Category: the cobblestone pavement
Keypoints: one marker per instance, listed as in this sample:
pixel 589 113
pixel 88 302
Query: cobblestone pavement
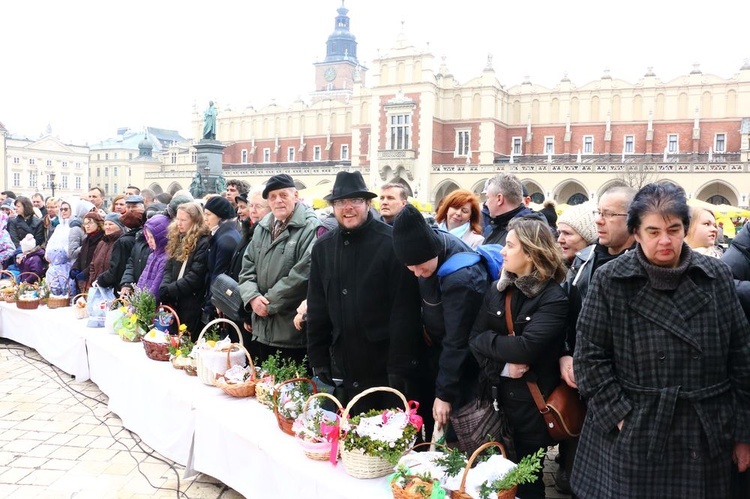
pixel 59 440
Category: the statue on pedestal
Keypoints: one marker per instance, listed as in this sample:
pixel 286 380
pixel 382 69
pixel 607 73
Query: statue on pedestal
pixel 220 185
pixel 196 186
pixel 209 122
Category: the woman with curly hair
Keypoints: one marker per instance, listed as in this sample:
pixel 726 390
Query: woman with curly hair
pixel 460 215
pixel 184 283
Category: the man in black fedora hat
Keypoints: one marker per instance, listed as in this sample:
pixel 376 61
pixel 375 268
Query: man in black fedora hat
pixel 363 308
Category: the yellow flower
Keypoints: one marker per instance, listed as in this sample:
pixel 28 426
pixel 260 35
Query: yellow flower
pixel 152 333
pixel 211 343
pixel 183 327
pixel 123 309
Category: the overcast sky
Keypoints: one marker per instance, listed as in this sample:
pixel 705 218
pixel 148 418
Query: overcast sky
pixel 89 67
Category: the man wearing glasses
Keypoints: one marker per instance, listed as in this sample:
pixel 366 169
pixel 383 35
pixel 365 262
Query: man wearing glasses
pixel 363 308
pixel 610 218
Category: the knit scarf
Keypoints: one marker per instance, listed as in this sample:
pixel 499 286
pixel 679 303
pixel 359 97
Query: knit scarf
pixel 458 231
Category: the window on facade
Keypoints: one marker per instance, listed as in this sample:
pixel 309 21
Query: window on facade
pixel 78 165
pixel 106 188
pixel 244 156
pixel 16 160
pixel 194 157
pixel 629 145
pixel 400 131
pixel 64 164
pixel 173 158
pixel 720 143
pixel 344 151
pixel 98 157
pixel 49 179
pixel 115 156
pixel 64 181
pixel 116 189
pixel 106 156
pixel 130 155
pixel 16 180
pixel 114 172
pixel 98 172
pixel 588 144
pixel 49 162
pixel 316 153
pixel 549 145
pixel 78 182
pixel 672 143
pixel 32 179
pixel 266 155
pixel 290 154
pixel 517 146
pixel 32 161
pixel 462 143
pixel 106 171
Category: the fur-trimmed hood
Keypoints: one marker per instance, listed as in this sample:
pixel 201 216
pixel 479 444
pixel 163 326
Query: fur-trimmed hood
pixel 530 285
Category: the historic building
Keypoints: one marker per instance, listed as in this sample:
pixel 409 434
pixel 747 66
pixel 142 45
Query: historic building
pixel 45 165
pixel 413 122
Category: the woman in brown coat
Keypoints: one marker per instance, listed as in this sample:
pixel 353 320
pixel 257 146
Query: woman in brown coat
pixel 103 252
pixel 92 227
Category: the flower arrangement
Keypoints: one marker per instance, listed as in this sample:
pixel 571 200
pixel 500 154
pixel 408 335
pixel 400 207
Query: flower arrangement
pixel 386 434
pixel 292 398
pixel 143 305
pixel 181 349
pixel 276 369
pixel 28 291
pixel 524 472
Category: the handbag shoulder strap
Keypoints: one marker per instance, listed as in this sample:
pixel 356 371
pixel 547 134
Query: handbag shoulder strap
pixel 536 393
pixel 182 270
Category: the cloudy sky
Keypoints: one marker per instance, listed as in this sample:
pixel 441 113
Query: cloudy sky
pixel 89 67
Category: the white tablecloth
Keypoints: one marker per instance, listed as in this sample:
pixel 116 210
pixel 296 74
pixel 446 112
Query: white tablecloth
pixel 56 334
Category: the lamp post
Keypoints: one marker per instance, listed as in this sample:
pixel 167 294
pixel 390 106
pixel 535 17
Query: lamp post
pixel 52 183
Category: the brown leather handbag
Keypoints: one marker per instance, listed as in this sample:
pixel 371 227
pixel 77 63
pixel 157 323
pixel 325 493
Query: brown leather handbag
pixel 563 411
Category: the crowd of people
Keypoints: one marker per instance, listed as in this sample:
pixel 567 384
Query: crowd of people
pixel 628 300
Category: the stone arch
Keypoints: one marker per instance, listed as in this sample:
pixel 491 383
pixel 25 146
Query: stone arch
pixel 443 189
pixel 478 187
pixel 398 179
pixel 608 185
pixel 570 191
pixel 718 188
pixel 299 185
pixel 457 105
pixel 173 187
pixel 324 181
pixel 535 190
pixel 156 188
pixel 476 105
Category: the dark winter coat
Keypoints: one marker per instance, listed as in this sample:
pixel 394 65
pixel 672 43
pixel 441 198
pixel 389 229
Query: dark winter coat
pixel 737 256
pixel 86 255
pixel 363 306
pixel 497 230
pixel 33 263
pixel 449 309
pixel 279 270
pixel 137 259
pixel 121 251
pixel 674 366
pixel 221 247
pixel 18 227
pixel 100 262
pixel 540 311
pixel 186 295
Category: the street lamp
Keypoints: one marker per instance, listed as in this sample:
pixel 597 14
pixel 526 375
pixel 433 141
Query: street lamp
pixel 52 183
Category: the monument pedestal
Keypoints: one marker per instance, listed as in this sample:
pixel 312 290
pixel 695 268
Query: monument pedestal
pixel 209 155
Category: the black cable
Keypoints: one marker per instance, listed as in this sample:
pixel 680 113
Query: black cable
pixel 64 384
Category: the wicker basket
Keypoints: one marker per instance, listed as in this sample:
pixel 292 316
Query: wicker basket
pixel 285 424
pixel 206 373
pixel 357 463
pixel 461 492
pixel 80 312
pixel 8 292
pixel 399 492
pixel 160 351
pixel 58 301
pixel 28 304
pixel 264 392
pixel 34 303
pixel 318 451
pixel 245 389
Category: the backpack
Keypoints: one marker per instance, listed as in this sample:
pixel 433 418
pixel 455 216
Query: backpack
pixel 489 254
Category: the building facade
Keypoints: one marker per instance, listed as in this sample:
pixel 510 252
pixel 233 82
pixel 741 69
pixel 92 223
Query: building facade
pixel 414 123
pixel 45 165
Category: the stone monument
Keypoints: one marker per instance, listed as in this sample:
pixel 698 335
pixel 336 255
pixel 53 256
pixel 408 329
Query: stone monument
pixel 209 151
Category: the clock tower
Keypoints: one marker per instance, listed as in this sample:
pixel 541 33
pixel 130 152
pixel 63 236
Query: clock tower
pixel 336 75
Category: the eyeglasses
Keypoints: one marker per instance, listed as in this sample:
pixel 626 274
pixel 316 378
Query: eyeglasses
pixel 258 206
pixel 64 209
pixel 88 221
pixel 338 203
pixel 608 215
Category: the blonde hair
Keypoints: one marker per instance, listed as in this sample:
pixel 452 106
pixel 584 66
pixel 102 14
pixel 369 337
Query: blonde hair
pixel 695 212
pixel 538 242
pixel 180 246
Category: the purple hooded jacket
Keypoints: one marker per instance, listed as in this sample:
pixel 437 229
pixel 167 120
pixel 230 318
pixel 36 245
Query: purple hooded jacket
pixel 153 272
pixel 7 248
pixel 33 263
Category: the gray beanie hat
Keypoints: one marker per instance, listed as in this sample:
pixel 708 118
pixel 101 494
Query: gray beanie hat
pixel 580 218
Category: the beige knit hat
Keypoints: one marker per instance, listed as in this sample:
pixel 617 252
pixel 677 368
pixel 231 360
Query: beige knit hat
pixel 581 219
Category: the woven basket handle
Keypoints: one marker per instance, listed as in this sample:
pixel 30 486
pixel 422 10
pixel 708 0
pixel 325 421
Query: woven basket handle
pixel 474 456
pixel 75 298
pixel 30 273
pixel 277 388
pixel 11 275
pixel 174 314
pixel 324 395
pixel 247 354
pixel 374 389
pixel 217 321
pixel 117 300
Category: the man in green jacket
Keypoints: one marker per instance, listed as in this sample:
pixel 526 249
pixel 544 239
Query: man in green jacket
pixel 276 268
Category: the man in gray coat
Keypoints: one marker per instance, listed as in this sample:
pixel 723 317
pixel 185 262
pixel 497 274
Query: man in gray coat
pixel 276 268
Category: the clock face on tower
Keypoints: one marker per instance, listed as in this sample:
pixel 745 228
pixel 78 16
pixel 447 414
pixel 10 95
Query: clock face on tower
pixel 330 74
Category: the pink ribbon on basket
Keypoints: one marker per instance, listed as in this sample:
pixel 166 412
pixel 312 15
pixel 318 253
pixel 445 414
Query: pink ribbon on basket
pixel 415 418
pixel 332 434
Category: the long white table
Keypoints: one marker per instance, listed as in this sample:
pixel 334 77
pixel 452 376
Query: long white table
pixel 235 440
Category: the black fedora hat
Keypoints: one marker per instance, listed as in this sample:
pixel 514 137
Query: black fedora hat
pixel 349 185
